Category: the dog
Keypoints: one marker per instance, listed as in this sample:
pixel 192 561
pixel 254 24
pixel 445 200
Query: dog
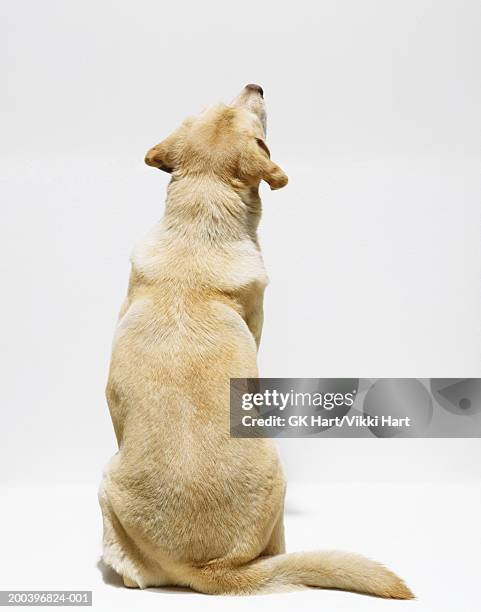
pixel 182 502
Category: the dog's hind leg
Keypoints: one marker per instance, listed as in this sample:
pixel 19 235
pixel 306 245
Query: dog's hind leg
pixel 130 584
pixel 276 544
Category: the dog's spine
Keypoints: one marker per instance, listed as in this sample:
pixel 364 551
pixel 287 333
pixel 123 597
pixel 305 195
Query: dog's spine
pixel 324 569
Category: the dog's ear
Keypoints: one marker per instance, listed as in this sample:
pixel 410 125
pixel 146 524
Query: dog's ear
pixel 162 156
pixel 261 167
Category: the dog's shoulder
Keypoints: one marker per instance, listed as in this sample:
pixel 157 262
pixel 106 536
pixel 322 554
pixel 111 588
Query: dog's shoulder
pixel 159 256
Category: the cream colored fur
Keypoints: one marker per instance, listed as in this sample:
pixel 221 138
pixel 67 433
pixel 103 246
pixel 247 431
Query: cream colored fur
pixel 182 502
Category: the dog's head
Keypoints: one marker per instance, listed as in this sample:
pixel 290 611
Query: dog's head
pixel 226 142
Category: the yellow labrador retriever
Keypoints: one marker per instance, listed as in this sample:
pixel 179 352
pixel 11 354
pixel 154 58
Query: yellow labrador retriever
pixel 182 502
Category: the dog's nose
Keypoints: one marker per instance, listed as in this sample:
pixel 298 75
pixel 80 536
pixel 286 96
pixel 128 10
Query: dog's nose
pixel 257 88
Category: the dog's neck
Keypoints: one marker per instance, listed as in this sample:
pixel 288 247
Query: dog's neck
pixel 206 209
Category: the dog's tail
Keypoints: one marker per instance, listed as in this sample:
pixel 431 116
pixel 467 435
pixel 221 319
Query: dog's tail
pixel 326 569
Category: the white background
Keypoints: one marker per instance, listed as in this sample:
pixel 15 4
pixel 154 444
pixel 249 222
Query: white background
pixel 373 249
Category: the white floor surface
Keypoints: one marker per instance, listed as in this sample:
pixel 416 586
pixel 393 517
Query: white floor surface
pixel 430 534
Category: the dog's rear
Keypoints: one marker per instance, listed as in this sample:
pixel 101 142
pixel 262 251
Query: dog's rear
pixel 182 503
